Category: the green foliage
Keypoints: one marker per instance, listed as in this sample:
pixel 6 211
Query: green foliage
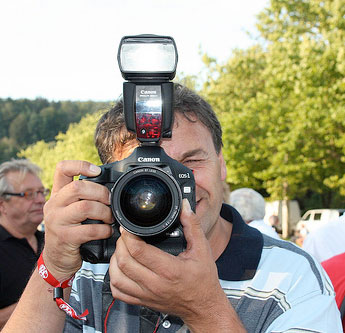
pixel 76 144
pixel 23 122
pixel 190 81
pixel 282 104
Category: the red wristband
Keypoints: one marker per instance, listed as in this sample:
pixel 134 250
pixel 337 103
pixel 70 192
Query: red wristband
pixel 58 292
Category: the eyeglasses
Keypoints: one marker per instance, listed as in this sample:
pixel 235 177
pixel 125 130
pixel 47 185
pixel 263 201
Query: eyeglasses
pixel 29 195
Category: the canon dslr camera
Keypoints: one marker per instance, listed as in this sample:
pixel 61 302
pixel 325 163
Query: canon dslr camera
pixel 148 187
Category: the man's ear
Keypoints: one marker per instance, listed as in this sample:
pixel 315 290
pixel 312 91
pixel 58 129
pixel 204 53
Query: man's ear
pixel 222 166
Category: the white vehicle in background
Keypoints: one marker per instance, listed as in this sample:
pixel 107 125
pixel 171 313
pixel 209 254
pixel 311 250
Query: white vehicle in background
pixel 314 218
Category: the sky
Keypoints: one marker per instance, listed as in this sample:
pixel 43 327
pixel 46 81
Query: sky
pixel 67 49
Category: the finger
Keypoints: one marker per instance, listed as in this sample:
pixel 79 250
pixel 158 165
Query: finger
pixel 147 282
pixel 79 211
pixel 192 230
pixel 118 294
pixel 81 234
pixel 120 283
pixel 151 257
pixel 129 264
pixel 82 190
pixel 66 170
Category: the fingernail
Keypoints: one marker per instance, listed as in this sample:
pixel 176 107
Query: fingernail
pixel 95 169
pixel 186 206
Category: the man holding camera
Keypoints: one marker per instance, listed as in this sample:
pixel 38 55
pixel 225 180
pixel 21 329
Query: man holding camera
pixel 230 278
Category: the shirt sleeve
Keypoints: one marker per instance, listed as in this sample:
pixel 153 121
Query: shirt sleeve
pixel 312 311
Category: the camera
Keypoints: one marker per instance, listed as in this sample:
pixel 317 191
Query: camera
pixel 147 188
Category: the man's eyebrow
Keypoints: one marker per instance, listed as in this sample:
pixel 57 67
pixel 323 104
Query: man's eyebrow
pixel 192 153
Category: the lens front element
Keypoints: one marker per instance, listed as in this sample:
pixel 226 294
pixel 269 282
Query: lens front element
pixel 146 201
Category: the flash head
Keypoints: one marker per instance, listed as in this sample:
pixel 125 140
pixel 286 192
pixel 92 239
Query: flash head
pixel 143 57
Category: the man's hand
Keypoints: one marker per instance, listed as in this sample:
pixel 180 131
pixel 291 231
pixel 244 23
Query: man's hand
pixel 72 202
pixel 186 285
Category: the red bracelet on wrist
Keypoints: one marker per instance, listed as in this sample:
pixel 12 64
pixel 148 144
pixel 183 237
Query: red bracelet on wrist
pixel 58 290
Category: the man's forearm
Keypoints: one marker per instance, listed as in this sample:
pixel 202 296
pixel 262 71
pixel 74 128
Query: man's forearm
pixel 36 310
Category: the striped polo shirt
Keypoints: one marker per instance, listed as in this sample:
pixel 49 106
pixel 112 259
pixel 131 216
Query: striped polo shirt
pixel 273 285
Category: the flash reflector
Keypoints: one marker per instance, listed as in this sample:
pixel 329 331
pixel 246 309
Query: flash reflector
pixel 147 56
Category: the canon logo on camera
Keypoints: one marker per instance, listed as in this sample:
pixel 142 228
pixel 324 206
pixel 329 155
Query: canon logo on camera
pixel 149 159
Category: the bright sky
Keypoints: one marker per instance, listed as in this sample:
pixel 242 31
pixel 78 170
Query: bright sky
pixel 66 49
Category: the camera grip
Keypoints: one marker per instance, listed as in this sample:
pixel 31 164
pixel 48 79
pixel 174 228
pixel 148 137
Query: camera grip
pixel 101 250
pixel 92 251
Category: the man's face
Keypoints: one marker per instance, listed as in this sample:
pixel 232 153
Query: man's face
pixel 20 211
pixel 191 144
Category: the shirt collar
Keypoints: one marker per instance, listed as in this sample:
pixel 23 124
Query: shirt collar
pixel 4 234
pixel 241 257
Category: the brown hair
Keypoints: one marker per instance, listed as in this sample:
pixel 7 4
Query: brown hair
pixel 112 136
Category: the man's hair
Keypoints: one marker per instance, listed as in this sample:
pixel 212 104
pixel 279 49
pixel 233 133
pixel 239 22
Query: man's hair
pixel 21 166
pixel 249 203
pixel 112 136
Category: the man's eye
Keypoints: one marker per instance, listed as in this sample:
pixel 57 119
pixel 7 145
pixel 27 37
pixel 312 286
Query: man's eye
pixel 29 194
pixel 191 161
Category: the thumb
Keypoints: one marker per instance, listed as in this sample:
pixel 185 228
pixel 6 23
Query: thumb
pixel 191 226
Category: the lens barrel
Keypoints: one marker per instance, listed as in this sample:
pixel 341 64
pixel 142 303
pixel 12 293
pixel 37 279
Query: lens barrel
pixel 146 201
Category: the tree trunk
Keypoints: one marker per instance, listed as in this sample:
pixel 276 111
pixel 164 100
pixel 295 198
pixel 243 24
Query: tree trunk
pixel 285 213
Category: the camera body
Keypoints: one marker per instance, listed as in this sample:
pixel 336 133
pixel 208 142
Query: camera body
pixel 147 189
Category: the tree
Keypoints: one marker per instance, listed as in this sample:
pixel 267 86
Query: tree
pixel 7 114
pixel 18 129
pixel 24 121
pixel 282 103
pixel 77 144
pixel 8 148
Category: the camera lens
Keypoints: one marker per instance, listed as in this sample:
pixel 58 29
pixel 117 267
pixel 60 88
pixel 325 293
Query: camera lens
pixel 146 201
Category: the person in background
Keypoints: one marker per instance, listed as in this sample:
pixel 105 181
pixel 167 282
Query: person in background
pixel 326 241
pixel 327 245
pixel 273 221
pixel 22 197
pixel 335 268
pixel 229 278
pixel 251 206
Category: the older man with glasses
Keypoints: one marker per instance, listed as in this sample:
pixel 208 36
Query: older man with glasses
pixel 22 197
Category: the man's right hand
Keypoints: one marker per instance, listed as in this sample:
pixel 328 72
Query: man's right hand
pixel 72 202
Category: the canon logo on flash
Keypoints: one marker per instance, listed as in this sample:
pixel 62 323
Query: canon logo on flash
pixel 148 92
pixel 149 159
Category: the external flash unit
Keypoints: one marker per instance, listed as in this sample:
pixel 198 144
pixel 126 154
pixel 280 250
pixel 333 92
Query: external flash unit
pixel 148 63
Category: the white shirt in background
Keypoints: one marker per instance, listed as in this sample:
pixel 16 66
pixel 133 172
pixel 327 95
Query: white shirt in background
pixel 264 228
pixel 327 241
